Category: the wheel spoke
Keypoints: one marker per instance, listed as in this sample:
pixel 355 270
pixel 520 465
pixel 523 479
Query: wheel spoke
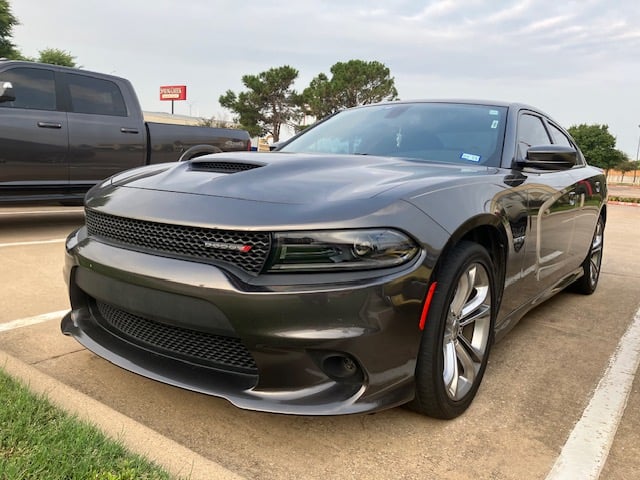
pixel 594 267
pixel 474 354
pixel 450 373
pixel 469 367
pixel 482 292
pixel 481 313
pixel 596 244
pixel 465 284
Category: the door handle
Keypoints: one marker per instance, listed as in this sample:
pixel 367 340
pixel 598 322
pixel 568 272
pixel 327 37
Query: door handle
pixel 49 125
pixel 129 130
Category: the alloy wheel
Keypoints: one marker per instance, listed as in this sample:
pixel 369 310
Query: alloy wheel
pixel 595 254
pixel 467 331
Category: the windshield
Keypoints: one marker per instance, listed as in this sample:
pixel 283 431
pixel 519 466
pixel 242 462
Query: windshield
pixel 442 132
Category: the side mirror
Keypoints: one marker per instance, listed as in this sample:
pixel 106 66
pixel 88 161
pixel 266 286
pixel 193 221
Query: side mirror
pixel 550 157
pixel 6 92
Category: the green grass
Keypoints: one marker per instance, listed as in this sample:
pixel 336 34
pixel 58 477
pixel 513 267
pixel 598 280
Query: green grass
pixel 40 441
pixel 615 198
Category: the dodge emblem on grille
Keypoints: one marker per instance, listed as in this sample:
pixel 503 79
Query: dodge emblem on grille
pixel 228 246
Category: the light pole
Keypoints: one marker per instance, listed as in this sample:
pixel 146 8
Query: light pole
pixel 637 155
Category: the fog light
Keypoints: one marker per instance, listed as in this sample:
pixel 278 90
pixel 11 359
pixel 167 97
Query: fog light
pixel 342 367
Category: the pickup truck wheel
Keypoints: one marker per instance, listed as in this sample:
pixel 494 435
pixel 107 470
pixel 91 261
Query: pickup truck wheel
pixel 198 151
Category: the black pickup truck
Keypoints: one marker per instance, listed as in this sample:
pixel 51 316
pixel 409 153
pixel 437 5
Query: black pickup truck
pixel 62 130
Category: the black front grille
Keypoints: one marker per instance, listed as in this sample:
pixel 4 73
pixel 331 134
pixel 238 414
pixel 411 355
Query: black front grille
pixel 201 348
pixel 203 244
pixel 223 167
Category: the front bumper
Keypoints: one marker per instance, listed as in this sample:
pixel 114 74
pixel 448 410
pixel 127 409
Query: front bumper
pixel 297 346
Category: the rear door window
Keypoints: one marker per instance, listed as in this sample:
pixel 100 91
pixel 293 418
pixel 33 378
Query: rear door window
pixel 95 96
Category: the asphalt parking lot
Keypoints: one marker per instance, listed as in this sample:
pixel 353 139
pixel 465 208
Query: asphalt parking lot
pixel 540 381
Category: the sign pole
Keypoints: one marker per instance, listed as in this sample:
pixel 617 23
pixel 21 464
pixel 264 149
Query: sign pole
pixel 171 107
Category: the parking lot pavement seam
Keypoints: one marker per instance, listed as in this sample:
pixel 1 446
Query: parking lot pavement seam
pixel 35 242
pixel 182 462
pixel 26 322
pixel 585 452
pixel 16 213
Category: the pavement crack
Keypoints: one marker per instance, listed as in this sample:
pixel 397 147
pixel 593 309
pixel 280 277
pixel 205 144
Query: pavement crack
pixel 55 357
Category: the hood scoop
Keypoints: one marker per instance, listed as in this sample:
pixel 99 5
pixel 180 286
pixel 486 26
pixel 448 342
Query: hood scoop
pixel 223 166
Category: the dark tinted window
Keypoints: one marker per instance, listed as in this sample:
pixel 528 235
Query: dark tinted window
pixel 442 132
pixel 33 88
pixel 94 95
pixel 559 138
pixel 531 132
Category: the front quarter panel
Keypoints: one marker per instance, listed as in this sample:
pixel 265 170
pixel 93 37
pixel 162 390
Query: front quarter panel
pixel 456 205
pixel 497 204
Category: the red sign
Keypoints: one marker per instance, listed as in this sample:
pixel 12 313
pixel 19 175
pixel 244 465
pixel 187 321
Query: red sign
pixel 173 92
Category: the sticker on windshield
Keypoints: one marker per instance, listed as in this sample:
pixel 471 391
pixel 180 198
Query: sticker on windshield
pixel 494 124
pixel 470 157
pixel 493 112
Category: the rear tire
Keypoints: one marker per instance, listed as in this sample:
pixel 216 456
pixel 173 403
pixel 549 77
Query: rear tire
pixel 588 283
pixel 458 333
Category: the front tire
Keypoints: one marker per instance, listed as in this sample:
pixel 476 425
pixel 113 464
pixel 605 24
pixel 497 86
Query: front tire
pixel 458 333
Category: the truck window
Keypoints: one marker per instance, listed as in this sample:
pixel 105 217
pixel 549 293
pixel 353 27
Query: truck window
pixel 96 96
pixel 34 88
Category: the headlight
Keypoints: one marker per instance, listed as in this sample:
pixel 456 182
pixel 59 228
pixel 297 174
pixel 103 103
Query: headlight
pixel 341 250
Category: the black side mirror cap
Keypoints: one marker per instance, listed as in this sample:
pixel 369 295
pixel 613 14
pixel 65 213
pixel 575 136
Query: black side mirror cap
pixel 549 157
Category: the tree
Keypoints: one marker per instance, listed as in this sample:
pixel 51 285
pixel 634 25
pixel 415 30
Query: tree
pixel 317 99
pixel 597 145
pixel 7 22
pixel 8 50
pixel 268 103
pixel 627 166
pixel 352 83
pixel 216 123
pixel 55 56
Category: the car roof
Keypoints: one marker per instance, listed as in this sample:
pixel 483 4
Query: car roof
pixel 50 66
pixel 466 101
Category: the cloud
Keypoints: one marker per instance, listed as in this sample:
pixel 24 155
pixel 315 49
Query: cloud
pixel 572 51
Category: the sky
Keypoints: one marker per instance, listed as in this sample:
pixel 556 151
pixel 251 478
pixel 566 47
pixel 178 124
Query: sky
pixel 579 61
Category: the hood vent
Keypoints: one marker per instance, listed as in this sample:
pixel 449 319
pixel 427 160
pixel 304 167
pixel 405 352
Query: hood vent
pixel 223 167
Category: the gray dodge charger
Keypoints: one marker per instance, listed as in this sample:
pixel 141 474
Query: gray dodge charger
pixel 368 262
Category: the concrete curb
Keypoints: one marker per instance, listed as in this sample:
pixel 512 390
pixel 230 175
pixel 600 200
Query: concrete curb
pixel 178 460
pixel 627 204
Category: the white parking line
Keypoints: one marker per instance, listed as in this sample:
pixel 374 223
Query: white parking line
pixel 25 322
pixel 41 212
pixel 35 242
pixel 586 450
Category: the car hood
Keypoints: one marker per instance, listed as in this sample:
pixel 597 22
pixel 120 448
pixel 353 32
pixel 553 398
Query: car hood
pixel 289 178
